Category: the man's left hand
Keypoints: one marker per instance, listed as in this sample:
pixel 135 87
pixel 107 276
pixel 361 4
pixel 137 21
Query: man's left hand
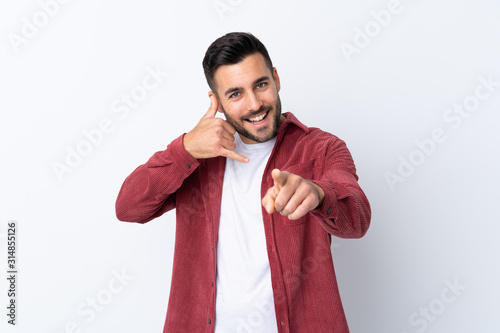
pixel 292 195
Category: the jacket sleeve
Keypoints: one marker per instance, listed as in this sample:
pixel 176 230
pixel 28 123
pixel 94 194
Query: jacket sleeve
pixel 149 191
pixel 345 211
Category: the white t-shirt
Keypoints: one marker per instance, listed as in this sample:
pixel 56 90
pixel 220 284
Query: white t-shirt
pixel 244 300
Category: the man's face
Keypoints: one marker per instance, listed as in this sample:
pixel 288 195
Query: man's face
pixel 248 97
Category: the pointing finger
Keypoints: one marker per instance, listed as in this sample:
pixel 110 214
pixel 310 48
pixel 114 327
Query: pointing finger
pixel 279 177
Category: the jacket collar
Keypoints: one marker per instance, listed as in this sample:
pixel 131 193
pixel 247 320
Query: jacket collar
pixel 291 119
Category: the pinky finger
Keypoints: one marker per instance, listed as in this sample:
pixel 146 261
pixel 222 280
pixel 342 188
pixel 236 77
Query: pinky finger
pixel 302 209
pixel 235 156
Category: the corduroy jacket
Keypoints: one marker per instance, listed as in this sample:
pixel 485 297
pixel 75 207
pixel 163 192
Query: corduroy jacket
pixel 306 295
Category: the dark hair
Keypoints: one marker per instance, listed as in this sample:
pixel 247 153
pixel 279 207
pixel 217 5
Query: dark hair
pixel 231 49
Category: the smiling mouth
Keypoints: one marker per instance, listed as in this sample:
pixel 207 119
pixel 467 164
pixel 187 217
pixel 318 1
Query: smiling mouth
pixel 258 118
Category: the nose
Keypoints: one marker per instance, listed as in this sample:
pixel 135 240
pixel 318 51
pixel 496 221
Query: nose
pixel 253 102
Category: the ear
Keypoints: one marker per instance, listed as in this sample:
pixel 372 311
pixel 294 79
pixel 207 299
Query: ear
pixel 210 94
pixel 276 79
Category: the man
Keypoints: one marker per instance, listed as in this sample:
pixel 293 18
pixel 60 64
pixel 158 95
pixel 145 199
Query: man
pixel 258 196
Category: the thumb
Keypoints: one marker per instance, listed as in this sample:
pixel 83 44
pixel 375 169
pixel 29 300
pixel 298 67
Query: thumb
pixel 279 177
pixel 214 105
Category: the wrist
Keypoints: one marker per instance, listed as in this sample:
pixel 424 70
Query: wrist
pixel 185 143
pixel 321 195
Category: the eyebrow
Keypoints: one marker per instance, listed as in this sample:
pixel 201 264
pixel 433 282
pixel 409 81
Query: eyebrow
pixel 260 79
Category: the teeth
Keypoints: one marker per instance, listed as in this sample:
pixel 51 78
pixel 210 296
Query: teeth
pixel 258 118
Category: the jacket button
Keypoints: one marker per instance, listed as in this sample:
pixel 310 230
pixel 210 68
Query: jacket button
pixel 329 211
pixel 209 321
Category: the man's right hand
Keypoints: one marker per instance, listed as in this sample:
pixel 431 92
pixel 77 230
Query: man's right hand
pixel 212 136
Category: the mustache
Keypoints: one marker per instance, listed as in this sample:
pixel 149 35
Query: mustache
pixel 260 110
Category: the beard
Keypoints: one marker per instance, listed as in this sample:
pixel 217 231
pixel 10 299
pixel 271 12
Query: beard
pixel 262 134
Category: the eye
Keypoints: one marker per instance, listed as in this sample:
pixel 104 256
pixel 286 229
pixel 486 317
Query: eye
pixel 234 95
pixel 262 85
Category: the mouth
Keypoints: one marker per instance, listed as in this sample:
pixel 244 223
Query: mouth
pixel 258 119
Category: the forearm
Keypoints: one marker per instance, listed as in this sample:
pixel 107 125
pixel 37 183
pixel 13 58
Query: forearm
pixel 149 191
pixel 345 211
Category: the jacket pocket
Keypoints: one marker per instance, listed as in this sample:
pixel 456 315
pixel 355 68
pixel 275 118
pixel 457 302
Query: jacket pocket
pixel 302 220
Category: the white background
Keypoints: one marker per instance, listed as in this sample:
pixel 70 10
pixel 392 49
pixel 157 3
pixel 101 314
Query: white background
pixel 438 227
